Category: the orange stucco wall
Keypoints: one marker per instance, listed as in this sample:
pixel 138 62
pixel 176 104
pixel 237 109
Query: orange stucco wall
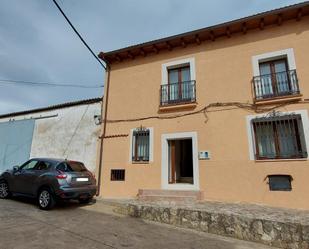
pixel 223 74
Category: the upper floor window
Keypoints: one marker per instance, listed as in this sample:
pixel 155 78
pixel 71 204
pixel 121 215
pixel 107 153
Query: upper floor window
pixel 177 75
pixel 178 84
pixel 275 75
pixel 279 137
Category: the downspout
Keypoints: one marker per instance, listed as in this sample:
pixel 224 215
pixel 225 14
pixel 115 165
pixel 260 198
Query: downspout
pixel 104 122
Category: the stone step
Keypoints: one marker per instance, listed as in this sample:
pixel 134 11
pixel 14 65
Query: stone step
pixel 167 199
pixel 169 195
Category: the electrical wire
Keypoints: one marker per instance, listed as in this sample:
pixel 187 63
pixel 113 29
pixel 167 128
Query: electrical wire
pixel 213 107
pixel 223 105
pixel 49 84
pixel 77 33
pixel 9 81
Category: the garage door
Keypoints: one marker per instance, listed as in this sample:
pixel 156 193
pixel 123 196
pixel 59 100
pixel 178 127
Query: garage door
pixel 15 142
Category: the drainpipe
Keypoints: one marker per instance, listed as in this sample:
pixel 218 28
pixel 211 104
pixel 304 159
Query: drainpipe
pixel 101 56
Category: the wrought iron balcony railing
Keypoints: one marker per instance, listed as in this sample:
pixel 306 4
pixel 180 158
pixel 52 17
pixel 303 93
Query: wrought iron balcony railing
pixel 275 85
pixel 178 93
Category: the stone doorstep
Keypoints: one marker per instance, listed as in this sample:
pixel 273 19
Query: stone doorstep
pixel 167 200
pixel 169 196
pixel 159 192
pixel 284 228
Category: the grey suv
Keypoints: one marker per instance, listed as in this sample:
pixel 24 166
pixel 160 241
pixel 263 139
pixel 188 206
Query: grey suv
pixel 49 180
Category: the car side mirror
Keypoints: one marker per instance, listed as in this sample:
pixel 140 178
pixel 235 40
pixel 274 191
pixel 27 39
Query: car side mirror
pixel 15 168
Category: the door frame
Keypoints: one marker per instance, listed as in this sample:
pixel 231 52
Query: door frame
pixel 165 161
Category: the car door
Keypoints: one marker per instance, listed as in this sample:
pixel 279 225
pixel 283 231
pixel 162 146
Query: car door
pixel 24 176
pixel 36 176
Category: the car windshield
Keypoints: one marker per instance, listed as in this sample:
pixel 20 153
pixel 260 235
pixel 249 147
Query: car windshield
pixel 71 166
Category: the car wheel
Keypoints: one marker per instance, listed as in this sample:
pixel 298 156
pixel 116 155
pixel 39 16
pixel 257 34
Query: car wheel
pixel 4 190
pixel 46 199
pixel 85 201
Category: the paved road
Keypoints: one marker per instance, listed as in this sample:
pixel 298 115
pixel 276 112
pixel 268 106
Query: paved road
pixel 24 226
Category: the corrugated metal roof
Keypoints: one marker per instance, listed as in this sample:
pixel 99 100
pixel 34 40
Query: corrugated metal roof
pixel 52 107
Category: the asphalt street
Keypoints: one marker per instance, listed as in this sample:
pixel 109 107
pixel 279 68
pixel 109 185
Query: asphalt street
pixel 69 225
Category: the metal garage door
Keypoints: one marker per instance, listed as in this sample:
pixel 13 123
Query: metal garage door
pixel 15 142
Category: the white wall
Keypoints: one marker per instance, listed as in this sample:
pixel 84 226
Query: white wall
pixel 72 134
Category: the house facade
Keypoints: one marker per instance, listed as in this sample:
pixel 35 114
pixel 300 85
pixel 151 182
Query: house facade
pixel 222 111
pixel 66 130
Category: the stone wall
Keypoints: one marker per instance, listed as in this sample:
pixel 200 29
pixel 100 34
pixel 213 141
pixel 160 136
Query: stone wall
pixel 269 232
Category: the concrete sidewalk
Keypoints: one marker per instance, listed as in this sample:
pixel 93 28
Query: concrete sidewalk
pixel 285 228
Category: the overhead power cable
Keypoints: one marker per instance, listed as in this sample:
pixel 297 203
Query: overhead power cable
pixel 80 37
pixel 48 84
pixel 212 107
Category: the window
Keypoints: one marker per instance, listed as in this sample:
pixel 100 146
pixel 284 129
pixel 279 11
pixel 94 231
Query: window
pixel 179 87
pixel 177 75
pixel 280 182
pixel 118 174
pixel 279 137
pixel 71 166
pixel 30 165
pixel 275 75
pixel 42 166
pixel 141 145
pixel 178 82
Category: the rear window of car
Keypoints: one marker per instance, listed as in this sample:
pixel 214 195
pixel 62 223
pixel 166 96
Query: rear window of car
pixel 71 167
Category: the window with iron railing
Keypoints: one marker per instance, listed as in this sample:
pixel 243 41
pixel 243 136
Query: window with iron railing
pixel 141 142
pixel 279 137
pixel 180 88
pixel 275 80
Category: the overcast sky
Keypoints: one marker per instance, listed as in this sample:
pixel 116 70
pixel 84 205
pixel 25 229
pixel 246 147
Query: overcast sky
pixel 36 44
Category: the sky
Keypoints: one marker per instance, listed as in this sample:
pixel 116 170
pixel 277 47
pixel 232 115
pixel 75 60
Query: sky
pixel 37 44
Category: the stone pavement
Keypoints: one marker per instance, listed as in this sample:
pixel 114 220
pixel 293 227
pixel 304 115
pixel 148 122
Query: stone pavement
pixel 285 228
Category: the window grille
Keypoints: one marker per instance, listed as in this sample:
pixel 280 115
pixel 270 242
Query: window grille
pixel 140 146
pixel 118 174
pixel 279 137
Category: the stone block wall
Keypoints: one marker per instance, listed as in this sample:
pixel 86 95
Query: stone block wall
pixel 269 232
